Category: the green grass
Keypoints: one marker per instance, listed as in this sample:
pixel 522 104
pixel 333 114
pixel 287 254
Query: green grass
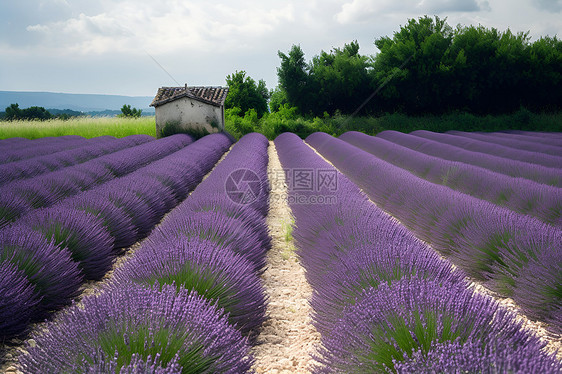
pixel 88 127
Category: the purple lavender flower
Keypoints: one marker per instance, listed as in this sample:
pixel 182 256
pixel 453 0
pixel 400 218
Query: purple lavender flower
pixel 182 327
pixel 216 273
pixel 370 266
pixel 143 216
pixel 18 300
pixel 13 206
pixel 52 272
pixel 138 365
pixel 496 356
pixel 220 229
pixel 82 234
pixel 391 322
pixel 115 220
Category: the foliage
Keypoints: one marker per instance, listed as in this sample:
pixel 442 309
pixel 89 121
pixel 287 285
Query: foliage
pixel 244 93
pixel 127 112
pixel 14 112
pixel 287 119
pixel 427 67
pixel 171 128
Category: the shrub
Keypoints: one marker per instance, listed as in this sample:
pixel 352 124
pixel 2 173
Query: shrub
pixel 181 327
pixel 217 274
pixel 83 235
pixel 52 272
pixel 18 300
pixel 390 323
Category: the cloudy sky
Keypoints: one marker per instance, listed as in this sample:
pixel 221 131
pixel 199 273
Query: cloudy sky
pixel 132 47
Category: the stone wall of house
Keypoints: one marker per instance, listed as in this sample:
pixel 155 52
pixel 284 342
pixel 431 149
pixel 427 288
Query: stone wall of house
pixel 189 114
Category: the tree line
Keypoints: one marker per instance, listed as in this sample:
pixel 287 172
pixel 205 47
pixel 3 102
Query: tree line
pixel 427 67
pixel 34 113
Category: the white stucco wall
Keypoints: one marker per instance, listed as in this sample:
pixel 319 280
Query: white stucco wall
pixel 190 114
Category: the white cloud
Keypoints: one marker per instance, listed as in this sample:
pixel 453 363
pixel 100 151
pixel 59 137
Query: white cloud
pixel 369 10
pixel 549 5
pixel 164 27
pixel 99 46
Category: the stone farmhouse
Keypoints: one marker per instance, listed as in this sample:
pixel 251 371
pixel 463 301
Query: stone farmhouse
pixel 189 109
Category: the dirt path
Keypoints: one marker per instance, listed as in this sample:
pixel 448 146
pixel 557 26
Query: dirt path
pixel 287 338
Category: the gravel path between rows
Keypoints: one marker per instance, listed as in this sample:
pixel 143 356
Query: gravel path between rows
pixel 287 338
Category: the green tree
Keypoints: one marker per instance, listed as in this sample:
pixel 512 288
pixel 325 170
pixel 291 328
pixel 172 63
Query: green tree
pixel 340 79
pixel 127 112
pixel 277 98
pixel 413 66
pixel 293 75
pixel 244 93
pixel 36 113
pixel 13 112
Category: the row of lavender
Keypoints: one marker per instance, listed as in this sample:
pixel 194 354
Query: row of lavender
pixel 384 301
pixel 49 253
pixel 34 166
pixel 517 194
pixel 517 255
pixel 552 138
pixel 22 197
pixel 190 298
pixel 526 143
pixel 511 167
pixel 14 150
pixel 524 151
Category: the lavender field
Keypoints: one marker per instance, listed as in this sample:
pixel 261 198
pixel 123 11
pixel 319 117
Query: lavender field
pixel 143 255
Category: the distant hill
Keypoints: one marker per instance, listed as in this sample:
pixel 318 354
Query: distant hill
pixel 79 102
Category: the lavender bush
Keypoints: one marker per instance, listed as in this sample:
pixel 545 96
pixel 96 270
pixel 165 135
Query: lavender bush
pixel 513 168
pixel 117 222
pixel 181 327
pixel 521 155
pixel 216 273
pixel 496 356
pixel 87 240
pixel 221 230
pixel 18 301
pixel 55 277
pixel 392 322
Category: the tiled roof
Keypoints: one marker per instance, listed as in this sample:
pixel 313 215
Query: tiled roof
pixel 210 95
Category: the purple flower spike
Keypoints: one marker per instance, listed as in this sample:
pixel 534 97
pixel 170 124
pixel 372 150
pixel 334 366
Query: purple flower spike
pixel 223 204
pixel 18 301
pixel 143 321
pixel 216 273
pixel 394 321
pixel 13 206
pixel 85 237
pixel 143 216
pixel 119 225
pixel 138 365
pixel 497 356
pixel 370 266
pixel 220 229
pixel 50 269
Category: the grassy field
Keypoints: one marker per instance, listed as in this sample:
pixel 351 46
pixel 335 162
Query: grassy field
pixel 273 124
pixel 88 127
